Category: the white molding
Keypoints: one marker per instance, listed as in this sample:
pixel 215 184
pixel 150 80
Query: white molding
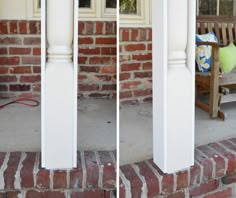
pixel 143 16
pixel 96 12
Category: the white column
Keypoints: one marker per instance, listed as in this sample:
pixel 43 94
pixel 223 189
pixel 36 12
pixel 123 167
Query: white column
pixel 58 113
pixel 173 84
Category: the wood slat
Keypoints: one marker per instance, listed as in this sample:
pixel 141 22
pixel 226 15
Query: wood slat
pixel 230 32
pixel 224 33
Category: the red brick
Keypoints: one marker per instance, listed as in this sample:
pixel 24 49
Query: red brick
pixel 43 179
pixel 109 28
pixel 34 194
pixel 134 35
pixel 82 60
pixel 108 51
pixel 135 182
pixel 9 60
pixel 81 27
pixel 149 34
pixel 233 140
pixel 59 179
pixel 182 180
pixel 10 41
pixel 89 51
pixel 138 93
pixel 124 76
pixel 99 27
pixel 204 188
pixel 20 70
pixel 89 69
pixel 129 102
pixel 76 175
pixel 125 94
pixel 147 66
pixel 103 77
pixel 54 194
pixel 142 57
pixel 13 194
pixel 225 193
pixel 85 40
pixel 177 195
pixel 9 173
pixel 106 41
pixel 135 47
pixel 23 27
pixel 88 87
pixel 37 87
pixel 3 70
pixel 92 169
pixel 31 60
pixel 3 50
pixel 219 161
pixel 2 157
pixel 8 79
pixel 36 69
pixel 109 87
pixel 109 70
pixel 89 27
pixel 36 51
pixel 99 95
pixel 27 177
pixel 81 77
pixel 3 87
pixel 124 35
pixel 19 87
pixel 150 178
pixel 142 34
pixel 109 171
pixel 19 50
pixel 149 47
pixel 3 27
pixel 230 156
pixel 130 84
pixel 33 27
pixel 100 60
pixel 88 194
pixel 30 79
pixel 229 145
pixel 13 27
pixel 130 67
pixel 32 41
pixel 148 99
pixel 142 74
pixel 206 163
pixel 195 175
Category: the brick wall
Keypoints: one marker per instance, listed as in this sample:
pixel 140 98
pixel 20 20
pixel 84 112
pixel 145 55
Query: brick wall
pixel 20 59
pixel 135 65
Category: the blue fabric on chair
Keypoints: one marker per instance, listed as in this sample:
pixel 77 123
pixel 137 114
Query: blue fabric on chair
pixel 203 52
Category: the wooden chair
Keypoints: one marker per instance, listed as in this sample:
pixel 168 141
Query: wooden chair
pixel 219 87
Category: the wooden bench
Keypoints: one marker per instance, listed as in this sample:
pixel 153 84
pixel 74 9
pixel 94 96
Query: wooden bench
pixel 220 87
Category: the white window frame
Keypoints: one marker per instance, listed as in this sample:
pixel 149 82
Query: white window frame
pixel 97 11
pixel 217 8
pixel 143 16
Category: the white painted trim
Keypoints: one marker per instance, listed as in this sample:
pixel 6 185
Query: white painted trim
pixel 33 11
pixel 43 68
pixel 143 16
pixel 75 61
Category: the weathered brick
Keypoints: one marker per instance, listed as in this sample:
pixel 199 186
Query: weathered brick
pixel 19 50
pixel 142 34
pixel 3 88
pixel 85 40
pixel 10 60
pixel 20 70
pixel 149 34
pixel 124 35
pixel 59 179
pixel 3 27
pixel 204 188
pixel 94 69
pixel 134 35
pixel 130 67
pixel 142 57
pixel 124 76
pixel 88 87
pixel 221 194
pixel 108 51
pixel 30 79
pixel 109 70
pixel 55 194
pixel 34 194
pixel 32 41
pixel 147 66
pixel 106 41
pixel 19 87
pixel 88 194
pixel 43 179
pixel 8 79
pixel 130 84
pixel 180 194
pixel 99 27
pixel 100 60
pixel 3 70
pixel 89 51
pixel 13 194
pixel 138 93
pixel 2 157
pixel 99 95
pixel 135 47
pixel 142 74
pixel 36 51
pixel 182 180
pixel 33 29
pixel 3 50
pixel 10 41
pixel 195 175
pixel 23 27
pixel 13 27
pixel 9 173
pixel 76 175
pixel 135 182
pixel 89 27
pixel 104 78
pixel 109 27
pixel 37 87
pixel 36 69
pixel 81 26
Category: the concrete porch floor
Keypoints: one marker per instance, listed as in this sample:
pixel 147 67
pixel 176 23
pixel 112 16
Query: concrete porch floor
pixel 20 126
pixel 136 130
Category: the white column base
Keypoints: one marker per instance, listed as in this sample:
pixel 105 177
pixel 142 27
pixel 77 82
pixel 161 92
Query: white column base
pixel 59 112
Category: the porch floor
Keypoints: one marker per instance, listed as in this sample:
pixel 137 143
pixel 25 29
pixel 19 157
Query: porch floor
pixel 136 130
pixel 20 126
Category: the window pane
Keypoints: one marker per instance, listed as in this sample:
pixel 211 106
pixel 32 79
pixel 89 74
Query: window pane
pixel 128 6
pixel 110 3
pixel 226 7
pixel 85 3
pixel 207 7
pixel 39 3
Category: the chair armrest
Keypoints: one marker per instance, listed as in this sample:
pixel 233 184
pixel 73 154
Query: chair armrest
pixel 208 43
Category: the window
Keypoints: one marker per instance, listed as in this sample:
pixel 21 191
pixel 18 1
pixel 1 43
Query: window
pixel 88 9
pixel 216 7
pixel 134 12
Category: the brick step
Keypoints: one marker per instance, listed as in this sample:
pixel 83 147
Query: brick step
pixel 21 174
pixel 212 176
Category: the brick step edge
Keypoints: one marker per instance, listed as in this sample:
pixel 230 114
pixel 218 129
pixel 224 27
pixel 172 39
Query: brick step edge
pixel 22 170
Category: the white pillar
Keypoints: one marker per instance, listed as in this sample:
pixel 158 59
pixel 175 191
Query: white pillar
pixel 173 84
pixel 59 123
